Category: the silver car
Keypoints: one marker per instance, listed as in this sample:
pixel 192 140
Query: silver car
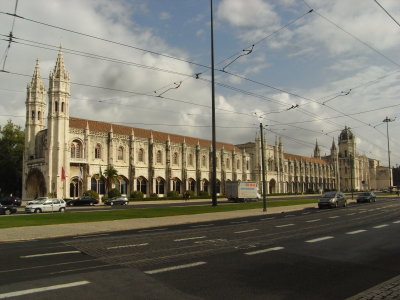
pixel 46 205
pixel 332 199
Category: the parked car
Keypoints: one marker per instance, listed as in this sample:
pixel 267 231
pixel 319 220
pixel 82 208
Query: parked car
pixel 37 200
pixel 85 200
pixel 11 200
pixel 332 199
pixel 117 201
pixel 366 197
pixel 46 205
pixel 7 209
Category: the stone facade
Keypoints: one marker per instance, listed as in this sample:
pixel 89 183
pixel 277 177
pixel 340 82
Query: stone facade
pixel 67 156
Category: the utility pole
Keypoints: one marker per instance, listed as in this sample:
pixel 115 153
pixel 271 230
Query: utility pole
pixel 387 120
pixel 214 147
pixel 351 176
pixel 263 168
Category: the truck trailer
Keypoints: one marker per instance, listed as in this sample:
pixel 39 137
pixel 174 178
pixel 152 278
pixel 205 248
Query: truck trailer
pixel 242 191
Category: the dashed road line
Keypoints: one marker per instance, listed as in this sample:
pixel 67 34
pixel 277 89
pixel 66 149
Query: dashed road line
pixel 238 222
pixel 334 217
pixel 315 220
pixel 202 225
pixel 396 222
pixel 264 250
pixel 50 254
pixel 381 226
pixel 150 230
pixel 248 230
pixel 91 235
pixel 351 214
pixel 190 238
pixel 270 218
pixel 285 225
pixel 127 246
pixel 320 239
pixel 43 289
pixel 356 231
pixel 306 213
pixel 173 268
pixel 287 216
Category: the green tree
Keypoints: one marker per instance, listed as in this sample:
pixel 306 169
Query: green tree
pixel 111 175
pixel 11 153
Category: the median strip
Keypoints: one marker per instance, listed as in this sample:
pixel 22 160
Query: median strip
pixel 43 289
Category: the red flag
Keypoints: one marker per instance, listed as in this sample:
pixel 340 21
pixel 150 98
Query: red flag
pixel 62 174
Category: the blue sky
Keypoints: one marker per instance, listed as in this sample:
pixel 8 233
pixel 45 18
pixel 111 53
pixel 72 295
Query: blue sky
pixel 333 65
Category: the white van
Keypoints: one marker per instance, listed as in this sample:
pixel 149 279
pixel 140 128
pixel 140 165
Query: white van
pixel 46 205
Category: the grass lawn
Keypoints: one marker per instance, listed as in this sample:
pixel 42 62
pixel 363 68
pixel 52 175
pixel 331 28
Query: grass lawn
pixel 132 213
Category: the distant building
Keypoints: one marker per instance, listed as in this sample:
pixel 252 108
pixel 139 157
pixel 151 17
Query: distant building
pixel 68 155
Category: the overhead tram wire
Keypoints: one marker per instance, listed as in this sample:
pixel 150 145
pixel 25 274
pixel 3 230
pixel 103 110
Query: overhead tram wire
pixel 387 13
pixel 103 39
pixel 10 38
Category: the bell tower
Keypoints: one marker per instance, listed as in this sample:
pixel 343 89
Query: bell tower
pixel 58 128
pixel 35 110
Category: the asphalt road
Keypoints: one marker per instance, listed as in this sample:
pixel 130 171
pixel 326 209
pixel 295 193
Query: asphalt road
pixel 309 254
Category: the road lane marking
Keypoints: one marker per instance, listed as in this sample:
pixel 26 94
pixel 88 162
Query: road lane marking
pixel 248 230
pixel 315 220
pixel 287 216
pixel 351 214
pixel 334 217
pixel 396 222
pixel 381 226
pixel 190 238
pixel 238 222
pixel 50 254
pixel 91 235
pixel 285 225
pixel 173 268
pixel 356 231
pixel 150 230
pixel 43 289
pixel 320 239
pixel 264 250
pixel 127 246
pixel 267 219
pixel 203 225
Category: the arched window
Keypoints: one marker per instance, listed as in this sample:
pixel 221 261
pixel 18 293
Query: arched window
pixel 175 158
pixel 120 153
pixel 123 186
pixel 97 151
pixel 62 106
pixel 238 164
pixel 217 162
pixel 39 115
pixel 142 185
pixel 141 155
pixel 56 106
pixel 203 161
pixel 192 184
pixel 228 163
pixel 33 115
pixel 159 157
pixel 76 149
pixel 190 159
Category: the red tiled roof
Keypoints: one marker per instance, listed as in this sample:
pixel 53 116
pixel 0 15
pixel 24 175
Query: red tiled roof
pixel 145 133
pixel 305 158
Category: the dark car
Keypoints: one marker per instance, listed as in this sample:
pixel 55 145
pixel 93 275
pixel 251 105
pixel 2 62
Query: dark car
pixel 85 200
pixel 366 197
pixel 7 209
pixel 332 199
pixel 11 200
pixel 117 201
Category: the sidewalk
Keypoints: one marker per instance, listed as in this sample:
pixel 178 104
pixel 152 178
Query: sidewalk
pixel 62 230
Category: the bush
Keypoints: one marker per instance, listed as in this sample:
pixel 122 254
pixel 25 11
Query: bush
pixel 91 193
pixel 113 193
pixel 204 194
pixel 137 195
pixel 52 195
pixel 173 194
pixel 154 195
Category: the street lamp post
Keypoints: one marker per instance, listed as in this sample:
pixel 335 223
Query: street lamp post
pixel 214 150
pixel 351 176
pixel 387 120
pixel 263 169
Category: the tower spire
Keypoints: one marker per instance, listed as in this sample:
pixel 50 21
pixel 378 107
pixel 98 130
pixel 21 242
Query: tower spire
pixel 317 152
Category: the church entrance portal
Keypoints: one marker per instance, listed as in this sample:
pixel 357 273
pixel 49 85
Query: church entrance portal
pixel 35 184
